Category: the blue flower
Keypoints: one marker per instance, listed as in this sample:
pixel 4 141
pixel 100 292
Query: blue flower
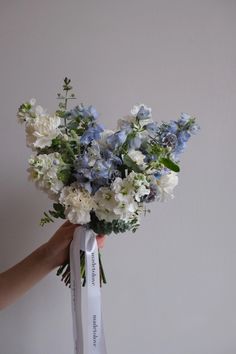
pixel 117 139
pixel 90 112
pixel 96 168
pixel 101 169
pixel 82 112
pixel 151 128
pixel 144 113
pixel 182 138
pixel 108 155
pixel 135 142
pixel 92 133
pixel 172 127
pixel 184 118
pixel 141 112
pixel 194 129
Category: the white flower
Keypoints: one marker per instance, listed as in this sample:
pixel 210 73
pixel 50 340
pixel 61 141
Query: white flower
pixel 122 200
pixel 40 111
pixel 140 185
pixel 126 206
pixel 128 192
pixel 44 171
pixel 138 157
pixel 105 204
pixel 41 130
pixel 28 111
pixel 78 204
pixel 166 185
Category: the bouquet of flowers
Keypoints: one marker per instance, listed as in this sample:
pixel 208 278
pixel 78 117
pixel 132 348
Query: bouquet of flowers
pixel 101 178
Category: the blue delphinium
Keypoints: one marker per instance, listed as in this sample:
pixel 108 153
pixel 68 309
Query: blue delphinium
pixel 117 139
pixel 80 111
pixel 96 167
pixel 176 134
pixel 151 128
pixel 92 132
pixel 141 112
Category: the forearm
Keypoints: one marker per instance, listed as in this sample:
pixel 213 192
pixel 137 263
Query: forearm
pixel 17 280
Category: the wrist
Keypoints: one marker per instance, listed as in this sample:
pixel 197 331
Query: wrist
pixel 47 256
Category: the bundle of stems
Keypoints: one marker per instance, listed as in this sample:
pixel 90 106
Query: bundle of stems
pixel 64 271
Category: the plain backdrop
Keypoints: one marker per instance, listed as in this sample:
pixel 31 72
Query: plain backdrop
pixel 171 286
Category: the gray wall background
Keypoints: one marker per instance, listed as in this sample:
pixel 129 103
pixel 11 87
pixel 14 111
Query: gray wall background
pixel 171 285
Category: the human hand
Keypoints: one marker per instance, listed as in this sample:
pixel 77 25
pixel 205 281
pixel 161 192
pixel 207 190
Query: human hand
pixel 59 244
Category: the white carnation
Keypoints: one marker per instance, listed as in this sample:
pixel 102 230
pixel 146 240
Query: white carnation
pixel 41 130
pixel 166 185
pixel 78 204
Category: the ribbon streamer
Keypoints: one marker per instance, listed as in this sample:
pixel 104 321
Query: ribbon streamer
pixel 88 332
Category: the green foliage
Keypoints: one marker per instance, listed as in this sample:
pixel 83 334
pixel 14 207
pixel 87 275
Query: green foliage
pixel 132 166
pixel 66 86
pixel 25 107
pixel 46 219
pixel 67 149
pixel 57 212
pixel 170 164
pixel 116 226
pixel 64 97
pixel 65 176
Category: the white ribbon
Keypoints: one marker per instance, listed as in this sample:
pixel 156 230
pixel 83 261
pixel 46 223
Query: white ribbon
pixel 88 340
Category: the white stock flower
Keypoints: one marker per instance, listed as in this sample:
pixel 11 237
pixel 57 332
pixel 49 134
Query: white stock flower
pixel 166 185
pixel 44 171
pixel 122 200
pixel 41 130
pixel 29 110
pixel 128 194
pixel 105 204
pixel 126 206
pixel 78 204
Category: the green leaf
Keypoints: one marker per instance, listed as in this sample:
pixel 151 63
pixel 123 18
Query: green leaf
pixel 64 176
pixel 131 164
pixel 170 164
pixel 58 207
pixel 54 214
